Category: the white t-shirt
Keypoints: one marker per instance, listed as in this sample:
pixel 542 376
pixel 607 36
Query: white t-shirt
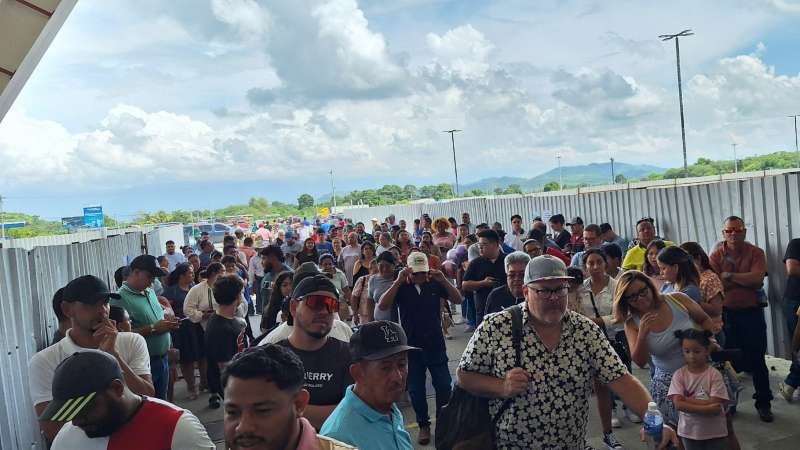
pixel 131 347
pixel 187 432
pixel 174 259
pixel 340 331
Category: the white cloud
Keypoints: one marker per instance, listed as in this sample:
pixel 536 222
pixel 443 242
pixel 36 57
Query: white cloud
pixel 464 50
pixel 250 20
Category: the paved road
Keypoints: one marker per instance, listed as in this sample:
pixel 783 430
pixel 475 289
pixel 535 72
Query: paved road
pixel 783 434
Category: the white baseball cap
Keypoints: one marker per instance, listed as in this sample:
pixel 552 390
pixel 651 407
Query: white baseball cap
pixel 418 262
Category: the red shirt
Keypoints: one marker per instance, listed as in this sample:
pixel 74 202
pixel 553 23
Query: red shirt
pixel 749 259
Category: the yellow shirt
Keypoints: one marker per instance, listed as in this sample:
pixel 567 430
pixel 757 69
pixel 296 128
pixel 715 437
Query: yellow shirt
pixel 634 259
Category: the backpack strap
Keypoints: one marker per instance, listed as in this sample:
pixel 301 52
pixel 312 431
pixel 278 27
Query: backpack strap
pixel 516 341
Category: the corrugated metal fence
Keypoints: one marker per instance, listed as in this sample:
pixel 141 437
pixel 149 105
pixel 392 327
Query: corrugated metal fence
pixel 28 280
pixel 688 210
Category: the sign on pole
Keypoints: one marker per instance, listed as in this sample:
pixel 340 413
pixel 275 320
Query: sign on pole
pixel 93 216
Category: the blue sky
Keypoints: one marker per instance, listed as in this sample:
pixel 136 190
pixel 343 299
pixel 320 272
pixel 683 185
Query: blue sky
pixel 162 105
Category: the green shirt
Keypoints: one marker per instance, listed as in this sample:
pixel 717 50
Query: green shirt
pixel 144 310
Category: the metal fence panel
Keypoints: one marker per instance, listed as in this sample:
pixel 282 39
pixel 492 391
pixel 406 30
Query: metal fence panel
pixel 684 210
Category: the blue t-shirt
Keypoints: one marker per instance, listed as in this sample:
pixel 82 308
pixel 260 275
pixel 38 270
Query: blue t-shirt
pixel 356 423
pixel 691 290
pixel 324 247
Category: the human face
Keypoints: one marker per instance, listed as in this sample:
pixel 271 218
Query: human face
pixel 734 232
pixel 427 238
pixel 558 227
pixel 515 273
pixel 327 265
pixel 646 232
pixel 188 276
pixel 441 227
pixel 286 287
pixel 547 308
pixel 463 231
pixel 669 272
pixel 533 249
pixel 368 252
pixel 230 267
pixel 309 244
pixel 359 228
pixel 695 355
pixel 337 246
pixel 576 229
pixel 595 265
pixel 386 270
pixel 488 248
pixel 260 416
pixel 139 280
pixel 425 248
pixel 383 382
pixel 516 224
pixel 402 224
pixel 195 263
pixel 396 254
pixel 591 240
pixel 652 256
pixel 84 316
pixel 164 263
pixel 266 263
pixel 105 415
pixel 639 297
pixel 315 323
pixel 171 248
pixel 465 218
pixel 124 325
pixel 352 239
pixel 383 240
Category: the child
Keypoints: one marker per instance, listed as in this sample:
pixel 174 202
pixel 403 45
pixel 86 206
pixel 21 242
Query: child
pixel 699 395
pixel 224 333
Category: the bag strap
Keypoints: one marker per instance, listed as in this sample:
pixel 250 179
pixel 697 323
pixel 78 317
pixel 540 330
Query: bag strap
pixel 516 341
pixel 677 302
pixel 596 311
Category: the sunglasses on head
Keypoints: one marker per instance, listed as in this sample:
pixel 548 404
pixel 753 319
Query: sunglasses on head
pixel 320 302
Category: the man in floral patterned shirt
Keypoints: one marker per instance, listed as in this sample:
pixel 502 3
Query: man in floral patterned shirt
pixel 562 354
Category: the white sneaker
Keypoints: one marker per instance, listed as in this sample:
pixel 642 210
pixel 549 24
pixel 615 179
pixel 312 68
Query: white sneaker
pixel 615 422
pixel 787 392
pixel 632 416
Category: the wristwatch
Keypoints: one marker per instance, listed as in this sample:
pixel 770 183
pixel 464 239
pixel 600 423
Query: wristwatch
pixel 152 328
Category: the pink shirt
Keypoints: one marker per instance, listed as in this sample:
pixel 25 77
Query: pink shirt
pixel 699 386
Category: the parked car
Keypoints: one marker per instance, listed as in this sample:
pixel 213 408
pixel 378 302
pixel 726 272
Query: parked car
pixel 216 231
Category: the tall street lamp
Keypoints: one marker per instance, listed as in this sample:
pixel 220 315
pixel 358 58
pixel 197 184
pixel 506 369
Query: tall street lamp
pixel 667 37
pixel 796 148
pixel 455 165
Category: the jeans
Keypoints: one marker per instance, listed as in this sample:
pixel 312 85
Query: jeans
pixel 746 329
pixel 436 363
pixel 468 310
pixel 159 370
pixel 790 306
pixel 259 306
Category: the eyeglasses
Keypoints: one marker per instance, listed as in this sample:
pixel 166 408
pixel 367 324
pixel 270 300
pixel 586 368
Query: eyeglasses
pixel 549 293
pixel 637 296
pixel 734 230
pixel 320 302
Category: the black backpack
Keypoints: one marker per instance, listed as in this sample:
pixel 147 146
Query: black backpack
pixel 464 422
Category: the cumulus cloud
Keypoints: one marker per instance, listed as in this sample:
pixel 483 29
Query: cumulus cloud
pixel 463 50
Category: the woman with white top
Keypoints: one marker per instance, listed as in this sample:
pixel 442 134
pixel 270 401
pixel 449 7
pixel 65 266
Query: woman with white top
pixel 199 304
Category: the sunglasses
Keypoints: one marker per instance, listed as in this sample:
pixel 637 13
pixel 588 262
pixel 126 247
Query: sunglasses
pixel 320 302
pixel 734 230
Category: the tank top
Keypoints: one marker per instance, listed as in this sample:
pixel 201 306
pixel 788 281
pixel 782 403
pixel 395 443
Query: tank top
pixel 665 348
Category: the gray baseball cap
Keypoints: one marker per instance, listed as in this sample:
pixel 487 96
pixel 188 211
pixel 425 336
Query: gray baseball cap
pixel 546 267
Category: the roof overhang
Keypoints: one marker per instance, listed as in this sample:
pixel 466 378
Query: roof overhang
pixel 27 28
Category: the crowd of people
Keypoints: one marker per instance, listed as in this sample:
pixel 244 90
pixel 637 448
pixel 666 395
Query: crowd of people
pixel 353 318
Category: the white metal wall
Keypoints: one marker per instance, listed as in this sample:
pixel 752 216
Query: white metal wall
pixel 80 236
pixel 157 239
pixel 28 280
pixel 685 210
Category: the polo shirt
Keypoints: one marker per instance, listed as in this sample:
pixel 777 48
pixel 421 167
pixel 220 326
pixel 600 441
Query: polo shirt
pixel 499 299
pixel 144 309
pixel 749 259
pixel 356 423
pixel 634 257
pixel 420 314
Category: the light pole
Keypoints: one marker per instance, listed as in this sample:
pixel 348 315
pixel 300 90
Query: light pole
pixel 613 178
pixel 2 221
pixel 735 161
pixel 333 193
pixel 560 177
pixel 796 148
pixel 455 165
pixel 666 37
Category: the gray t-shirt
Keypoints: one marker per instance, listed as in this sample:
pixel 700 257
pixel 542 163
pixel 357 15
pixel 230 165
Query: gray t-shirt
pixel 375 289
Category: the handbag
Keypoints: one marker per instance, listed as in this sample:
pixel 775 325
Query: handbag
pixel 619 342
pixel 464 423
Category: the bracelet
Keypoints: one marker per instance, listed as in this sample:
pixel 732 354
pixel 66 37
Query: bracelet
pixel 152 329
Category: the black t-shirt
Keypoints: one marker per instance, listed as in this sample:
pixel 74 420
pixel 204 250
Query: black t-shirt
pixel 499 299
pixel 420 314
pixel 792 282
pixel 224 338
pixel 481 268
pixel 327 371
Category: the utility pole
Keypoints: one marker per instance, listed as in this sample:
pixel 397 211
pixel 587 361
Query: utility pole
pixel 333 192
pixel 735 161
pixel 455 165
pixel 2 221
pixel 666 37
pixel 613 178
pixel 560 177
pixel 796 148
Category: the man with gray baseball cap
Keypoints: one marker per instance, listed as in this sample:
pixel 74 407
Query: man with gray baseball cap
pixel 563 353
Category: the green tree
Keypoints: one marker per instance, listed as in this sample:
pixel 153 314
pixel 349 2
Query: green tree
pixel 305 201
pixel 513 189
pixel 409 191
pixel 620 179
pixel 551 186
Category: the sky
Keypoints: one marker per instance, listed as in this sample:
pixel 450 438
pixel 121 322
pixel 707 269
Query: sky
pixel 149 105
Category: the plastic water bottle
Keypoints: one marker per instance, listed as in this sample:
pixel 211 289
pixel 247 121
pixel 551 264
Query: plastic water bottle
pixel 653 425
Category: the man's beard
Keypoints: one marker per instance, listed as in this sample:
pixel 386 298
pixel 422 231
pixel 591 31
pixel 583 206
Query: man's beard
pixel 115 419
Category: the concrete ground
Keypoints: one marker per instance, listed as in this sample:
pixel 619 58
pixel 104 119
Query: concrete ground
pixel 783 434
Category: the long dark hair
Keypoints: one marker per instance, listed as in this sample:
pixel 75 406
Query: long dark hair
pixel 696 251
pixel 370 245
pixel 648 268
pixel 275 300
pixel 702 337
pixel 179 271
pixel 687 272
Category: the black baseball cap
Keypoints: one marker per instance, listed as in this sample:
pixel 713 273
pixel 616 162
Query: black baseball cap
pixel 77 381
pixel 377 340
pixel 315 283
pixel 87 289
pixel 148 263
pixel 575 221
